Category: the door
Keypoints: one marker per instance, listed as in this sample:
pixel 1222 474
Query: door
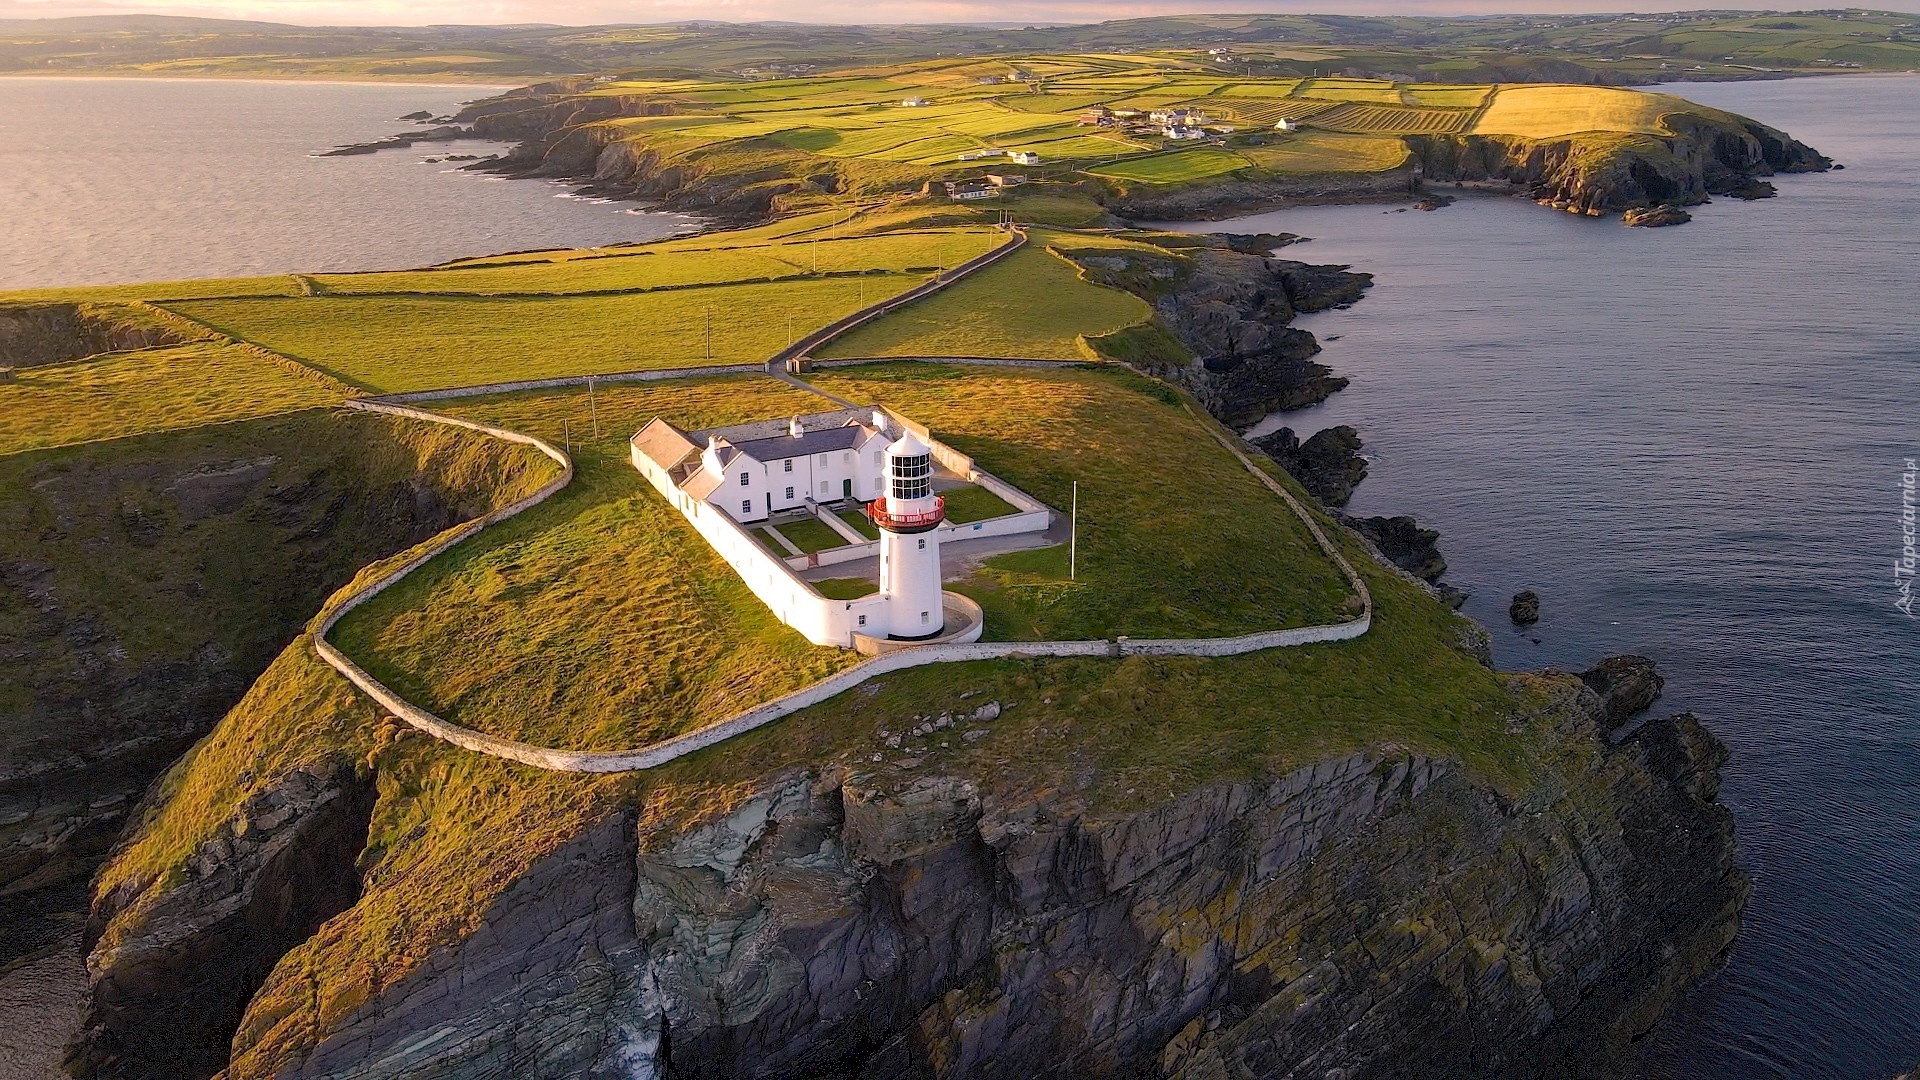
pixel 846 489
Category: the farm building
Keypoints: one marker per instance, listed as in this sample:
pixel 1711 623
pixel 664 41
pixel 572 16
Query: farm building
pixel 1180 131
pixel 968 190
pixel 1287 125
pixel 1006 180
pixel 1023 157
pixel 913 102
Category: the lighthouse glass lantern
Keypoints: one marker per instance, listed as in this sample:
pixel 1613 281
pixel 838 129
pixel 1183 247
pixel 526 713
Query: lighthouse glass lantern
pixel 908 516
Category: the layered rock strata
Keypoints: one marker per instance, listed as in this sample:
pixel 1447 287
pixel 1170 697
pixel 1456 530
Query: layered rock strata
pixel 1374 914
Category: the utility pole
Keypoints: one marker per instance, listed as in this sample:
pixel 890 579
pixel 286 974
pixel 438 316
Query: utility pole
pixel 789 331
pixel 566 434
pixel 592 409
pixel 816 254
pixel 709 334
pixel 1073 537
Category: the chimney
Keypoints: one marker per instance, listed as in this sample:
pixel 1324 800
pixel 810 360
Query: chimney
pixel 880 421
pixel 794 429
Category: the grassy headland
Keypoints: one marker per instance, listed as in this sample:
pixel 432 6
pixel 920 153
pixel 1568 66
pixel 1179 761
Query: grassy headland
pixel 1136 133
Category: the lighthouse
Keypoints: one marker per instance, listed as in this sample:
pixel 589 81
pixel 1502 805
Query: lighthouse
pixel 908 515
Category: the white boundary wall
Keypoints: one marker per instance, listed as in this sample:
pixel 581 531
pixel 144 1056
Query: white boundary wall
pixel 957 652
pixel 793 601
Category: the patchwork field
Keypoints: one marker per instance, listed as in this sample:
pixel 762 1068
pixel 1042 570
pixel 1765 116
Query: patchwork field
pixel 390 344
pixel 1392 120
pixel 1180 167
pixel 1031 304
pixel 1544 112
pixel 1327 151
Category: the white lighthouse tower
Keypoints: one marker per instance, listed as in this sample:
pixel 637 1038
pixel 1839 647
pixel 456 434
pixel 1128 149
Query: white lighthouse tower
pixel 908 516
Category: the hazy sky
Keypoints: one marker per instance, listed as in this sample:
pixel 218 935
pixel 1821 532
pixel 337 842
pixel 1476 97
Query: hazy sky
pixel 575 12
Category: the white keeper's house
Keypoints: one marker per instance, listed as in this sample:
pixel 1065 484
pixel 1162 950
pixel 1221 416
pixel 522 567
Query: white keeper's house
pixel 726 479
pixel 753 471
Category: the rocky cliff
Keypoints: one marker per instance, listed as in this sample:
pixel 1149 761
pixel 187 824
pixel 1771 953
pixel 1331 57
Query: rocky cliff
pixel 1231 310
pixel 34 334
pixel 1374 914
pixel 145 583
pixel 1598 173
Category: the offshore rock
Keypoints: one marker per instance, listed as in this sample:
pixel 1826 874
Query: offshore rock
pixel 1525 609
pixel 1373 915
pixel 1653 217
pixel 1232 311
pixel 1328 464
pixel 1404 543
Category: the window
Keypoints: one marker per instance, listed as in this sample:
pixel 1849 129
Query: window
pixel 923 618
pixel 744 481
pixel 876 458
pixel 823 487
pixel 846 458
pixel 789 464
pixel 863 620
pixel 746 506
pixel 912 477
pixel 923 544
pixel 789 493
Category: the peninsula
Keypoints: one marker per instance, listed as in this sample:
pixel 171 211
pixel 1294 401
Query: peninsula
pixel 463 717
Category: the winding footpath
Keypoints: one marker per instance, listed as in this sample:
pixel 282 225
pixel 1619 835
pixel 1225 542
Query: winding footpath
pixel 659 753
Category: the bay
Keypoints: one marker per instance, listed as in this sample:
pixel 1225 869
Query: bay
pixel 114 180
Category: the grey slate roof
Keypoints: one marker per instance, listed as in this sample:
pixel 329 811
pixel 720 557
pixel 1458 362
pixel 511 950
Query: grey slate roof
pixel 811 442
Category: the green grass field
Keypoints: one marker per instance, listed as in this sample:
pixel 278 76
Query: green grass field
pixel 1327 151
pixel 971 503
pixel 1215 553
pixel 860 522
pixel 1030 304
pixel 390 344
pixel 489 635
pixel 1181 167
pixel 811 535
pixel 1544 112
pixel 159 389
pixel 668 267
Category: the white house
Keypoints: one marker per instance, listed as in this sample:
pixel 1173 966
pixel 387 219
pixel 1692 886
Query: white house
pixel 1024 157
pixel 1181 132
pixel 752 471
pixel 912 102
pixel 1287 125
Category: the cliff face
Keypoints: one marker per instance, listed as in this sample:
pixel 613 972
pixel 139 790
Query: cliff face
pixel 1373 915
pixel 146 582
pixel 34 334
pixel 166 1002
pixel 1605 174
pixel 1231 310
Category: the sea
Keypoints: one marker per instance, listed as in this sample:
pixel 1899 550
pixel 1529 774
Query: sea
pixel 106 181
pixel 1690 441
pixel 1695 443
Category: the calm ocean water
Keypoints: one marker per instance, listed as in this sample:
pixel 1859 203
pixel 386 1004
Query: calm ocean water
pixel 118 180
pixel 1689 441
